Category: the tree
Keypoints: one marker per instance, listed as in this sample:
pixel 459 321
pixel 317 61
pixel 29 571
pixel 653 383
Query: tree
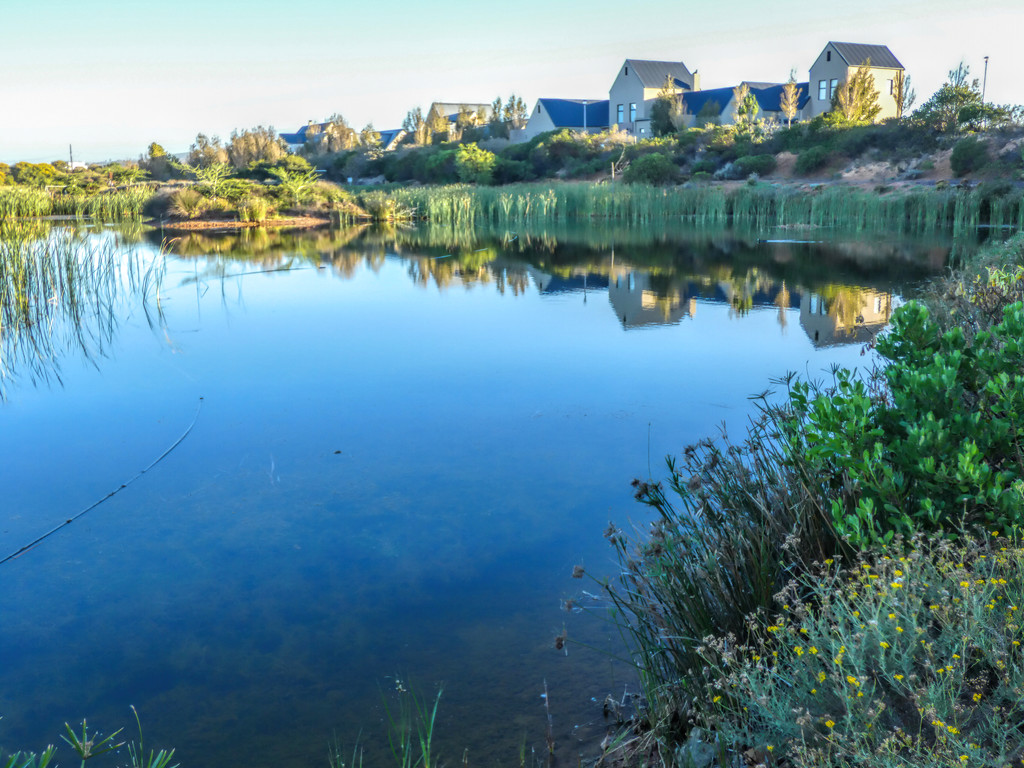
pixel 416 126
pixel 206 151
pixel 255 145
pixel 958 106
pixel 296 184
pixel 438 124
pixel 902 93
pixel 369 137
pixel 212 175
pixel 515 112
pixel 856 99
pixel 668 109
pixel 709 114
pixel 789 102
pixel 745 109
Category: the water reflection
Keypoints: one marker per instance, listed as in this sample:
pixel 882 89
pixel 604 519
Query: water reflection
pixel 64 292
pixel 651 277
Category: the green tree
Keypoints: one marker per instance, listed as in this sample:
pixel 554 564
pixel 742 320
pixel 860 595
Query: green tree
pixel 789 102
pixel 515 112
pixel 296 184
pixel 856 99
pixel 212 175
pixel 5 174
pixel 206 151
pixel 958 106
pixel 668 109
pixel 745 110
pixel 473 164
pixel 416 126
pixel 438 124
pixel 369 138
pixel 255 145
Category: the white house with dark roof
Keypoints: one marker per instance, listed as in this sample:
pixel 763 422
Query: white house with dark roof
pixel 839 61
pixel 587 115
pixel 636 88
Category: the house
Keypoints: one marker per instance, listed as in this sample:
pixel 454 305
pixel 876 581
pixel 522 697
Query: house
pixel 636 88
pixel 838 62
pixel 719 104
pixel 587 115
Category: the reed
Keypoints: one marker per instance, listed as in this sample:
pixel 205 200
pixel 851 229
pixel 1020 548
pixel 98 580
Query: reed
pixel 24 202
pixel 520 205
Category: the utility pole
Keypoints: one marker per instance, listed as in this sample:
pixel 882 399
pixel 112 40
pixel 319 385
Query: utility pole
pixel 984 81
pixel 71 158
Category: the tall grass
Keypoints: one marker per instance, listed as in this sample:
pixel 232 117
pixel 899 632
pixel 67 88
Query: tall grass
pixel 918 211
pixel 112 206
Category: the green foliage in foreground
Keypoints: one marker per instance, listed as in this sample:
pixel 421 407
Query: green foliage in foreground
pixel 89 746
pixel 911 656
pixel 930 445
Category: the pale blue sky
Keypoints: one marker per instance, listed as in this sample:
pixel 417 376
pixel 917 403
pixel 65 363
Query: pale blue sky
pixel 110 76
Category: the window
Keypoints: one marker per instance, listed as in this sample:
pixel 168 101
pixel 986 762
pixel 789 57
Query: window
pixel 832 85
pixel 828 55
pixel 892 88
pixel 822 90
pixel 626 72
pixel 619 114
pixel 643 130
pixel 632 112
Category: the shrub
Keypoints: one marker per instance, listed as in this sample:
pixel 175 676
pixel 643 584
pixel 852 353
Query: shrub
pixel 187 203
pixel 655 169
pixel 701 176
pixel 970 154
pixel 906 658
pixel 762 165
pixel 253 209
pixel 812 159
pixel 474 165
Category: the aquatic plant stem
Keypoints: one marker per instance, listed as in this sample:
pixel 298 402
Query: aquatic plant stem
pixel 114 492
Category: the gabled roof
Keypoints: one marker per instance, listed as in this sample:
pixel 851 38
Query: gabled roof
pixel 299 137
pixel 391 137
pixel 855 54
pixel 695 101
pixel 652 74
pixel 769 95
pixel 568 113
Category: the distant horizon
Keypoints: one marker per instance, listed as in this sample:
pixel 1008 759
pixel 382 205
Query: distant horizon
pixel 116 84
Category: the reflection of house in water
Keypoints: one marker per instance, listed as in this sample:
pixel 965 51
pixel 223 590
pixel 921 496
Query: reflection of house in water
pixel 637 304
pixel 577 282
pixel 848 316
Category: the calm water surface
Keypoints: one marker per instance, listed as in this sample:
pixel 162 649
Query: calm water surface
pixel 405 441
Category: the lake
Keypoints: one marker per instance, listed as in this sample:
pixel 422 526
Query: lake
pixel 398 444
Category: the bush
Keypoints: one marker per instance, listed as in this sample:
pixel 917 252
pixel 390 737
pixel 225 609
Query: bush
pixel 253 209
pixel 187 203
pixel 474 165
pixel 812 159
pixel 655 169
pixel 970 154
pixel 907 658
pixel 762 165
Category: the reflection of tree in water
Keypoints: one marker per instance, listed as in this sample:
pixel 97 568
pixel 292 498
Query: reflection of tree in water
pixel 63 294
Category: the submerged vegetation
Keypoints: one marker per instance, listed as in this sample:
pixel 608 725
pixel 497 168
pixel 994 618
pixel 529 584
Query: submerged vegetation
pixel 842 585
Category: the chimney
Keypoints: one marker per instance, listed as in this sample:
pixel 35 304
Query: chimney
pixel 696 80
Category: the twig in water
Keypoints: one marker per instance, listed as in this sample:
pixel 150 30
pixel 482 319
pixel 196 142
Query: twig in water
pixel 113 493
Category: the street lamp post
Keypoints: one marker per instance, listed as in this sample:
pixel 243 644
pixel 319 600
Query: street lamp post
pixel 984 81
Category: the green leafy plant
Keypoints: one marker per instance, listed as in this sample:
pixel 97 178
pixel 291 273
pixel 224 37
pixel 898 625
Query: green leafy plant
pixel 970 154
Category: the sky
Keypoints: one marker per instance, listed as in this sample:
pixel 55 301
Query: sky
pixel 107 77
